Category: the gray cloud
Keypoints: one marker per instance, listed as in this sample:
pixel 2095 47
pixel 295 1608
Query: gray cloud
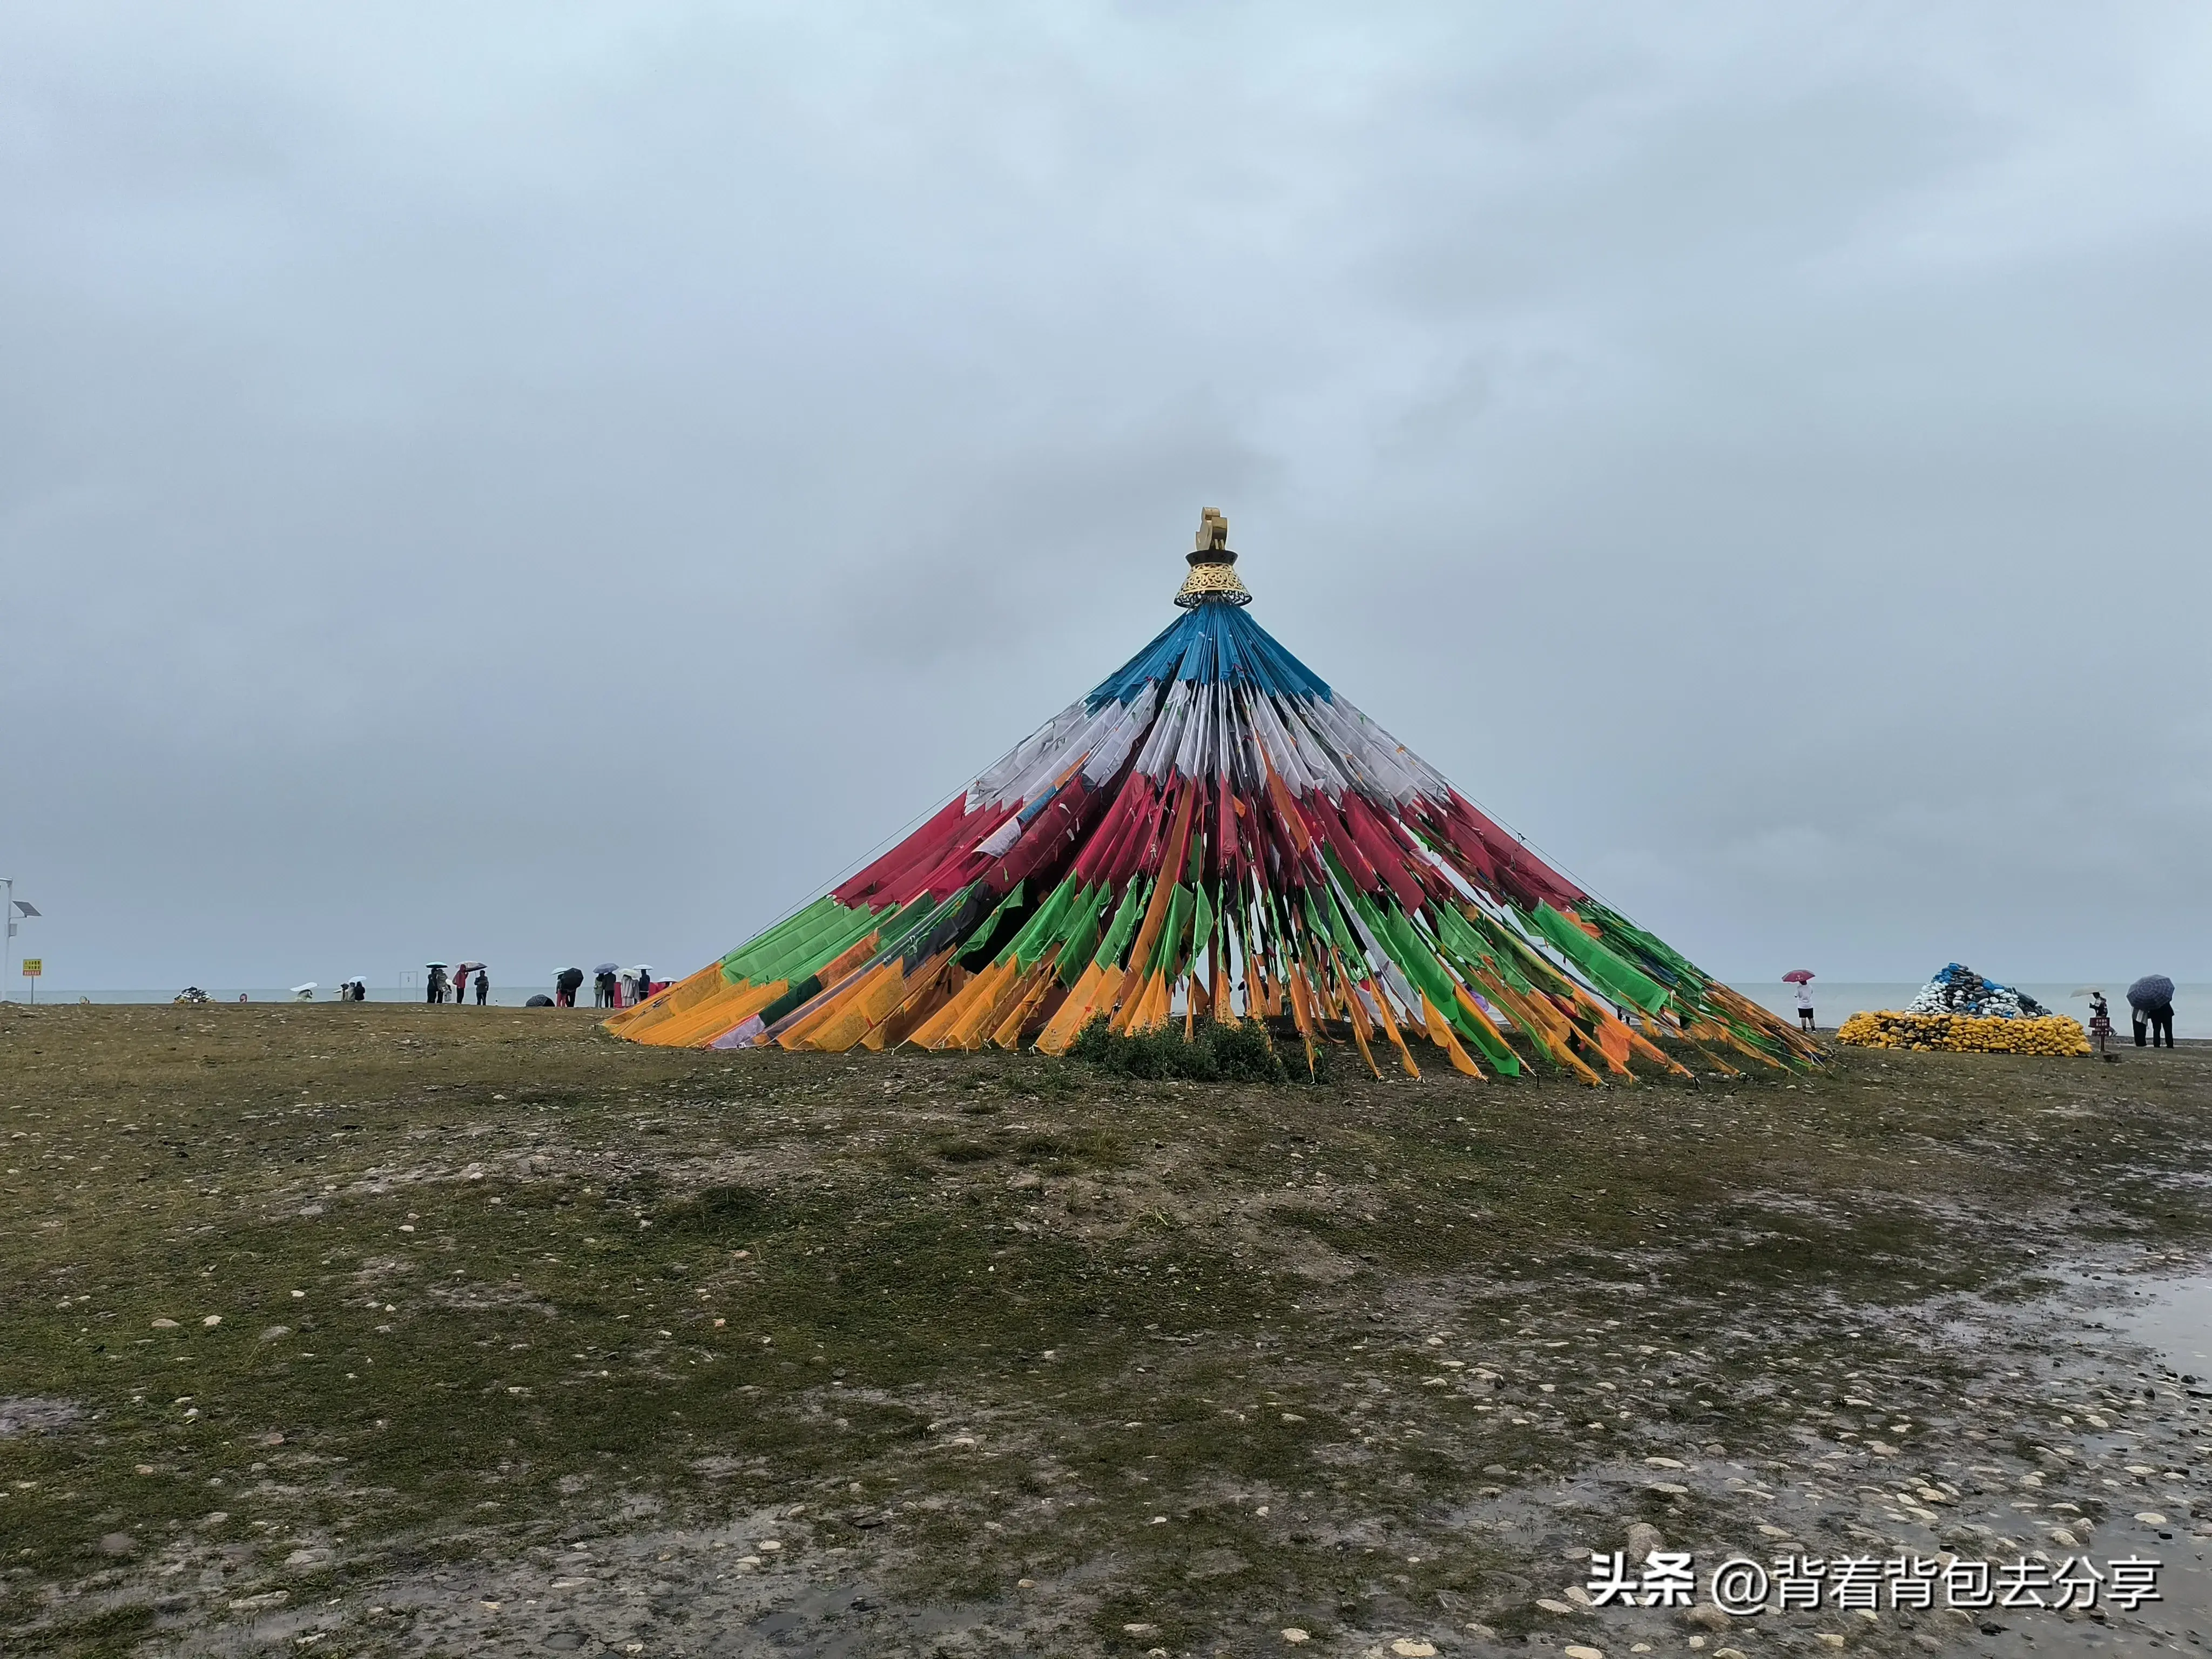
pixel 554 482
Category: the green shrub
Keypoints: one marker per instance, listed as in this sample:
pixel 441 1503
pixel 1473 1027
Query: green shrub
pixel 1214 1053
pixel 718 1212
pixel 964 1152
pixel 1065 1153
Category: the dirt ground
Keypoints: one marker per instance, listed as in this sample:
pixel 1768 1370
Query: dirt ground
pixel 365 1329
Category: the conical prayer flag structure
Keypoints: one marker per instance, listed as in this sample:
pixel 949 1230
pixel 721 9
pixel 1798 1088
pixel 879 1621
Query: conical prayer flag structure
pixel 1215 832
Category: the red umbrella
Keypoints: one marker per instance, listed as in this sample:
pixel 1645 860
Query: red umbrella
pixel 1798 976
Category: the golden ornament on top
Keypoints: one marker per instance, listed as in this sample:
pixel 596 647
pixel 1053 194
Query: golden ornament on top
pixel 1212 566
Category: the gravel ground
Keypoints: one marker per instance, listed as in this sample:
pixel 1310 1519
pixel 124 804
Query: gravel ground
pixel 375 1329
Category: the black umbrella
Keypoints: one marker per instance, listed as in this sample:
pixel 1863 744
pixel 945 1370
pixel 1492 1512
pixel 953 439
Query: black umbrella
pixel 2151 991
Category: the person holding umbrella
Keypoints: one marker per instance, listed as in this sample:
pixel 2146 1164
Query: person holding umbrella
pixel 564 986
pixel 461 982
pixel 1802 979
pixel 604 978
pixel 433 987
pixel 2150 1001
pixel 2100 1016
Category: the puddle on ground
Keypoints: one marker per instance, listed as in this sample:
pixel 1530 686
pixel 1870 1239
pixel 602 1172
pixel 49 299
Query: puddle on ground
pixel 2175 1316
pixel 2172 1317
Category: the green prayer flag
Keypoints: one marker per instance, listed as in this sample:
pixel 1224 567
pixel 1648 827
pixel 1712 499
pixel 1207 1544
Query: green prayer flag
pixel 1125 923
pixel 976 940
pixel 1612 974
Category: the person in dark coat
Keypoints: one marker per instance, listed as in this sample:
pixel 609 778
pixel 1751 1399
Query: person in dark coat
pixel 565 987
pixel 603 992
pixel 433 988
pixel 483 986
pixel 2150 1007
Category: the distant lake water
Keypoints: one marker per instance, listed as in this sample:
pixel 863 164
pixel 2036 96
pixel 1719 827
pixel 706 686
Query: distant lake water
pixel 1832 1004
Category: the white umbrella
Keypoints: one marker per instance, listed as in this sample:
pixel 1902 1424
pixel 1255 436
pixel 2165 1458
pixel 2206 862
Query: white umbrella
pixel 306 990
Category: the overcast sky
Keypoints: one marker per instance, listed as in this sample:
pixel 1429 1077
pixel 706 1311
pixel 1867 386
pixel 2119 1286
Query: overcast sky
pixel 546 481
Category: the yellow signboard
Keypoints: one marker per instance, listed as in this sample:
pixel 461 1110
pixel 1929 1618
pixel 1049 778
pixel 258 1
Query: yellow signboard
pixel 34 966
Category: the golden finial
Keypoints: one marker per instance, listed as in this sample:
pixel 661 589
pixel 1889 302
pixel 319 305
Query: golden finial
pixel 1212 566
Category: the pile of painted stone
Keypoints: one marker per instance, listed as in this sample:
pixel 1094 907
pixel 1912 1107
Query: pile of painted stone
pixel 1960 1011
pixel 1968 1034
pixel 1959 990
